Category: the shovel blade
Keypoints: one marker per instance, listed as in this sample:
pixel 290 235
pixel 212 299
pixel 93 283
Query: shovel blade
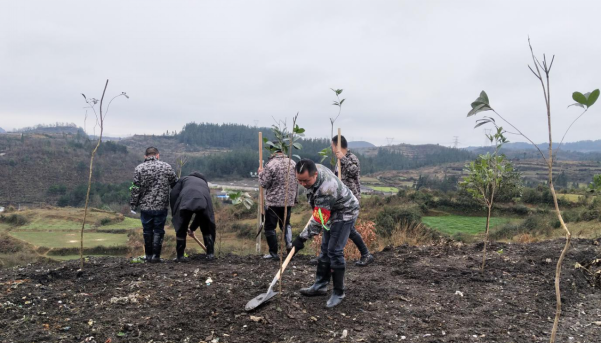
pixel 259 300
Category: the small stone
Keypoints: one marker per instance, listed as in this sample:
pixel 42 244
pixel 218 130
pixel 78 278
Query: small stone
pixel 344 334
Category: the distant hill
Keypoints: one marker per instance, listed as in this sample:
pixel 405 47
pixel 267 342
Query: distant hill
pixel 2 131
pixel 52 129
pixel 586 146
pixel 360 144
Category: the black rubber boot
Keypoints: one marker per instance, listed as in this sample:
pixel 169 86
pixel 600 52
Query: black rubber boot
pixel 365 260
pixel 338 291
pixel 210 245
pixel 314 261
pixel 148 247
pixel 322 279
pixel 157 245
pixel 272 242
pixel 180 249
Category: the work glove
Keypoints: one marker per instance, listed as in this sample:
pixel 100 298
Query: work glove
pixel 132 211
pixel 298 243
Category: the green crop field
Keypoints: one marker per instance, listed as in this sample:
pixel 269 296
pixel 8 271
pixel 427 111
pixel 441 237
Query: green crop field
pixel 569 197
pixel 70 239
pixel 453 224
pixel 385 188
pixel 127 223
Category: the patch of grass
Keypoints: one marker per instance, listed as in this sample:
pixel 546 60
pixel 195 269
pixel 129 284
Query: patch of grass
pixel 127 223
pixel 70 239
pixel 454 224
pixel 569 197
pixel 385 188
pixel 49 224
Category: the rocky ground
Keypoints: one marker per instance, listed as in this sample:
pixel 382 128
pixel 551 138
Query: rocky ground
pixel 412 294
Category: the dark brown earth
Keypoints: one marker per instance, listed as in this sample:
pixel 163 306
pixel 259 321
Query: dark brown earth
pixel 411 294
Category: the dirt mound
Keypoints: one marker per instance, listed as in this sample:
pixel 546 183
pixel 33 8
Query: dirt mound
pixel 417 294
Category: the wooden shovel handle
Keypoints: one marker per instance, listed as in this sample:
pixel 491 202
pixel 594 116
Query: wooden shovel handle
pixel 288 258
pixel 198 241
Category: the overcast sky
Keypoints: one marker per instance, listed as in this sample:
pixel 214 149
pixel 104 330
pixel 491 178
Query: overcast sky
pixel 409 69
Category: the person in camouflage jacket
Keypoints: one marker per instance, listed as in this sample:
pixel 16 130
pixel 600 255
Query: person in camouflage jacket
pixel 335 210
pixel 351 177
pixel 273 178
pixel 150 194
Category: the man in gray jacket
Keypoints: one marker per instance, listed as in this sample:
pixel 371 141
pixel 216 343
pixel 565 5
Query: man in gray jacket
pixel 150 194
pixel 273 179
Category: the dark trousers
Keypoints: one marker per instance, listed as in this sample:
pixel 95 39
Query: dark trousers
pixel 356 238
pixel 153 221
pixel 200 219
pixel 333 243
pixel 274 216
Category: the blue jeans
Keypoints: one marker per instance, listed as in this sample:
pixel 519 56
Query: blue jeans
pixel 333 243
pixel 153 221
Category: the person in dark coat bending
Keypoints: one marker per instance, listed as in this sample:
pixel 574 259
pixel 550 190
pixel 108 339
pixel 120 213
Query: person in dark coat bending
pixel 192 196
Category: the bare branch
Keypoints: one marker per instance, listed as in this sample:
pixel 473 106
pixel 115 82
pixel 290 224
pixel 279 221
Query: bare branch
pixel 533 72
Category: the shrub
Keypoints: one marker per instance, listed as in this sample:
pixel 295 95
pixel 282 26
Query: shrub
pixel 412 233
pixel 589 215
pixel 389 217
pixel 520 209
pixel 531 223
pixel 524 238
pixel 14 219
pixel 506 231
pixel 243 230
pixel 57 189
pixel 569 216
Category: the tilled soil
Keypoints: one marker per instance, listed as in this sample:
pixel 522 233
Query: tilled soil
pixel 417 294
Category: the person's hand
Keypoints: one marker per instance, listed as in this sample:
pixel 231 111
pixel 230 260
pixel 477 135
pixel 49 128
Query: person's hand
pixel 190 233
pixel 132 211
pixel 260 169
pixel 339 155
pixel 298 243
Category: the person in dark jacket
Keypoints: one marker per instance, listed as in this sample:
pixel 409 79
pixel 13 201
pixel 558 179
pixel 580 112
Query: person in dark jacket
pixel 192 196
pixel 150 194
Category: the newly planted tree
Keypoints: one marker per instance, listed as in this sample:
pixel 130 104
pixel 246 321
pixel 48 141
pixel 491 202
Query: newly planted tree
pixel 285 142
pixel 542 71
pixel 327 152
pixel 100 117
pixel 486 176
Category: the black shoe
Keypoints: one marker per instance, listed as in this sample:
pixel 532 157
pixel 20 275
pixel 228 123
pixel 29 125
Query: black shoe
pixel 181 260
pixel 338 291
pixel 322 279
pixel 314 261
pixel 365 260
pixel 148 247
pixel 210 256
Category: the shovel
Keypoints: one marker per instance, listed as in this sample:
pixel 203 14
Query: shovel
pixel 261 299
pixel 198 241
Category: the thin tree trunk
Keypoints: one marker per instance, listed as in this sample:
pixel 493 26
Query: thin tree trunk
pixel 486 237
pixel 282 246
pixel 85 212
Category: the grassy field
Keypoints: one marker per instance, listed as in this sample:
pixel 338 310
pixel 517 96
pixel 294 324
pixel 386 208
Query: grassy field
pixel 68 240
pixel 385 188
pixel 569 197
pixel 127 223
pixel 454 224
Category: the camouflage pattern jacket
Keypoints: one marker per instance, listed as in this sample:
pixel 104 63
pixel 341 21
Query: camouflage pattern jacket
pixel 150 189
pixel 332 202
pixel 351 173
pixel 273 179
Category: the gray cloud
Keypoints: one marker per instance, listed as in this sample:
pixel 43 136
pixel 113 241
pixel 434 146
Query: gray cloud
pixel 409 70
